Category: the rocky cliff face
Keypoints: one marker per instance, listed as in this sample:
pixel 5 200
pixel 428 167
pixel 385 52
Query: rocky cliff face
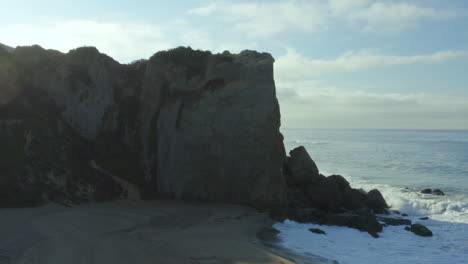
pixel 184 124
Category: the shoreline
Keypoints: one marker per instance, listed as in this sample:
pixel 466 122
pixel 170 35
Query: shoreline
pixel 138 232
pixel 268 237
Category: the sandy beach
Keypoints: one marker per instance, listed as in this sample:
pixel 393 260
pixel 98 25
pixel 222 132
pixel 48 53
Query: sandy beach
pixel 134 232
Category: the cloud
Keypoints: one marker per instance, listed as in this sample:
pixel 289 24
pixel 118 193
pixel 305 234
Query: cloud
pixel 388 16
pixel 266 19
pixel 204 10
pixel 308 101
pixel 294 65
pixel 331 107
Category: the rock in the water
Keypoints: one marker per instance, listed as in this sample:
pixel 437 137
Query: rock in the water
pixel 317 231
pixel 394 221
pixel 354 199
pixel 420 230
pixel 307 215
pixel 433 192
pixel 424 218
pixel 302 168
pixel 437 192
pixel 328 194
pixel 366 223
pixel 427 191
pixel 404 214
pixel 376 201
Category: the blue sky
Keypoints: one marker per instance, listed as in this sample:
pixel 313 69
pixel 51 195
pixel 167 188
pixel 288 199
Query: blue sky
pixel 339 63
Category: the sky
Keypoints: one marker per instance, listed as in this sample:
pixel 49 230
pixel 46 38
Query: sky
pixel 351 64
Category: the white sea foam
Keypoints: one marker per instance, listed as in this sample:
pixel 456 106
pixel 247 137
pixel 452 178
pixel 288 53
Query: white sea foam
pixel 448 222
pixel 450 208
pixel 395 245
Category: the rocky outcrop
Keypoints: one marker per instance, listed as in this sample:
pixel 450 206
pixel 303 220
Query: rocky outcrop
pixel 394 221
pixel 317 231
pixel 331 200
pixel 184 124
pixel 433 192
pixel 420 230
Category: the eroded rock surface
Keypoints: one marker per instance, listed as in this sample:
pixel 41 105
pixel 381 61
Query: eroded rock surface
pixel 331 200
pixel 184 124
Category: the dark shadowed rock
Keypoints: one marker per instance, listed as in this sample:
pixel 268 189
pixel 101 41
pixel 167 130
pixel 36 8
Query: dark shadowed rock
pixel 214 133
pixel 421 230
pixel 328 194
pixel 307 215
pixel 365 223
pixel 302 168
pixel 184 124
pixel 404 214
pixel 394 221
pixel 427 191
pixel 355 199
pixel 437 192
pixel 376 201
pixel 433 192
pixel 424 218
pixel 317 231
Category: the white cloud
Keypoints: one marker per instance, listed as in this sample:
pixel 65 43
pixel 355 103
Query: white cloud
pixel 330 107
pixel 388 16
pixel 307 101
pixel 204 10
pixel 265 19
pixel 294 65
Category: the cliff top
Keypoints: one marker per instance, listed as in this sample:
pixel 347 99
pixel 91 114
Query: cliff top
pixel 175 55
pixel 7 48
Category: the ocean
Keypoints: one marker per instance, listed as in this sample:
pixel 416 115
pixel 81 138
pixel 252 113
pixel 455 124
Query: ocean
pixel 400 163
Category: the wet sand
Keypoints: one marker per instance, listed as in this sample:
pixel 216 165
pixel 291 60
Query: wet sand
pixel 138 233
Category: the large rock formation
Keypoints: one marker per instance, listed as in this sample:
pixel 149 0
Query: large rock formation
pixel 312 197
pixel 184 124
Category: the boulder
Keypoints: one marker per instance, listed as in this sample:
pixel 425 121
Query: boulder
pixel 424 218
pixel 328 194
pixel 420 230
pixel 307 215
pixel 365 223
pixel 302 168
pixel 317 231
pixel 376 201
pixel 355 199
pixel 394 221
pixel 433 192
pixel 427 191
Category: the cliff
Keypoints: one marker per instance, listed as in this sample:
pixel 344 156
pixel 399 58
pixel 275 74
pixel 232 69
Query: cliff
pixel 184 124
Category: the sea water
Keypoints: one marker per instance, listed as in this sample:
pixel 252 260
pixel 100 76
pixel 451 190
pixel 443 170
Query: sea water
pixel 400 163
